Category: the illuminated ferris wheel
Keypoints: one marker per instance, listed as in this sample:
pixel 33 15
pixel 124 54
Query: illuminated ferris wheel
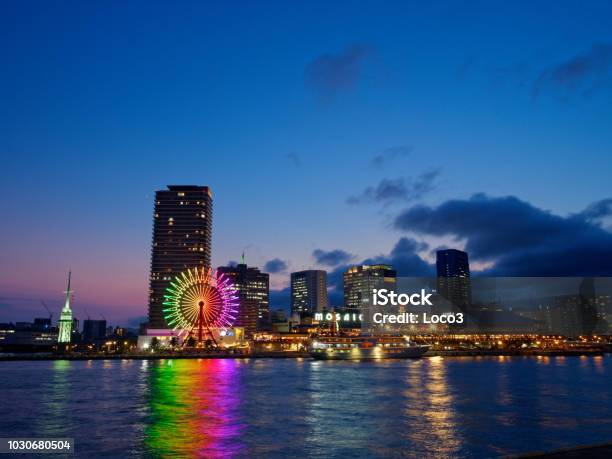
pixel 200 299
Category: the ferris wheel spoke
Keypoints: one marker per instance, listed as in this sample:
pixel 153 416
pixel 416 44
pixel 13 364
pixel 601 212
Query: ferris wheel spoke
pixel 189 288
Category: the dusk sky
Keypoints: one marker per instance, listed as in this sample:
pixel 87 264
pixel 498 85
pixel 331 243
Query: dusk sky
pixel 330 133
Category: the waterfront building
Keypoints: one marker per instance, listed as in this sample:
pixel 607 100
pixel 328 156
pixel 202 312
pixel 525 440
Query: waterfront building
pixel 229 337
pixel 159 338
pixel 276 341
pixel 65 321
pixel 182 234
pixel 453 277
pixel 23 338
pixel 94 330
pixel 359 281
pixel 253 289
pixel 308 291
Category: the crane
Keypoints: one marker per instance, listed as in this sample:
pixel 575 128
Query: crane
pixel 48 310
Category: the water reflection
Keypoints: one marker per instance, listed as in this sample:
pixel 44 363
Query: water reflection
pixel 432 423
pixel 56 399
pixel 193 409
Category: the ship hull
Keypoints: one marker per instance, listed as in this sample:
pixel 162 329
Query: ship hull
pixel 412 352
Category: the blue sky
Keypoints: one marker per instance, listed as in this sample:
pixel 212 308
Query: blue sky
pixel 282 109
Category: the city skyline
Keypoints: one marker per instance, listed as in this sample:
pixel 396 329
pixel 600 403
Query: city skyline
pixel 373 143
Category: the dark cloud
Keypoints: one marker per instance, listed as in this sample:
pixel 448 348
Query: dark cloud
pixel 331 257
pixel 519 238
pixel 405 259
pixel 294 158
pixel 390 154
pixel 584 73
pixel 598 210
pixel 232 263
pixel 275 265
pixel 389 191
pixel 331 74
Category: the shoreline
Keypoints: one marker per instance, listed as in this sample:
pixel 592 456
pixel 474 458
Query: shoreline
pixel 292 355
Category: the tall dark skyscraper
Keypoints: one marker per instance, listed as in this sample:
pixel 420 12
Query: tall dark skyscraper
pixel 453 271
pixel 253 292
pixel 182 233
pixel 308 291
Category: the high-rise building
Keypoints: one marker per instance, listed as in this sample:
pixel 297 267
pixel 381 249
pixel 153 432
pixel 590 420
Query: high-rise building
pixel 359 281
pixel 453 270
pixel 182 233
pixel 253 288
pixel 65 321
pixel 308 291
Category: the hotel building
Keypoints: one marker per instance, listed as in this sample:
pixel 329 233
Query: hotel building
pixel 182 233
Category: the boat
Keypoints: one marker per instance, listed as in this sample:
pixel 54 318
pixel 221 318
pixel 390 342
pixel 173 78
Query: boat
pixel 366 347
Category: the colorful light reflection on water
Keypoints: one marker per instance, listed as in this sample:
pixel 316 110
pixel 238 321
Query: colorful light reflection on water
pixel 194 407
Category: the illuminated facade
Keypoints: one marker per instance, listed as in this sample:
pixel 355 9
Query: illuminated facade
pixel 308 291
pixel 253 289
pixel 359 281
pixel 182 233
pixel 65 320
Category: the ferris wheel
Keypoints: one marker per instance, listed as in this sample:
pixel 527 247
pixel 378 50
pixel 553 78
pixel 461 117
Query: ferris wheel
pixel 198 300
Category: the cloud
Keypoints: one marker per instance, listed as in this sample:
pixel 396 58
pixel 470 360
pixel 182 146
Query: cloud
pixel 331 257
pixel 390 191
pixel 405 259
pixel 276 265
pixel 332 74
pixel 390 154
pixel 598 210
pixel 585 72
pixel 519 238
pixel 294 158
